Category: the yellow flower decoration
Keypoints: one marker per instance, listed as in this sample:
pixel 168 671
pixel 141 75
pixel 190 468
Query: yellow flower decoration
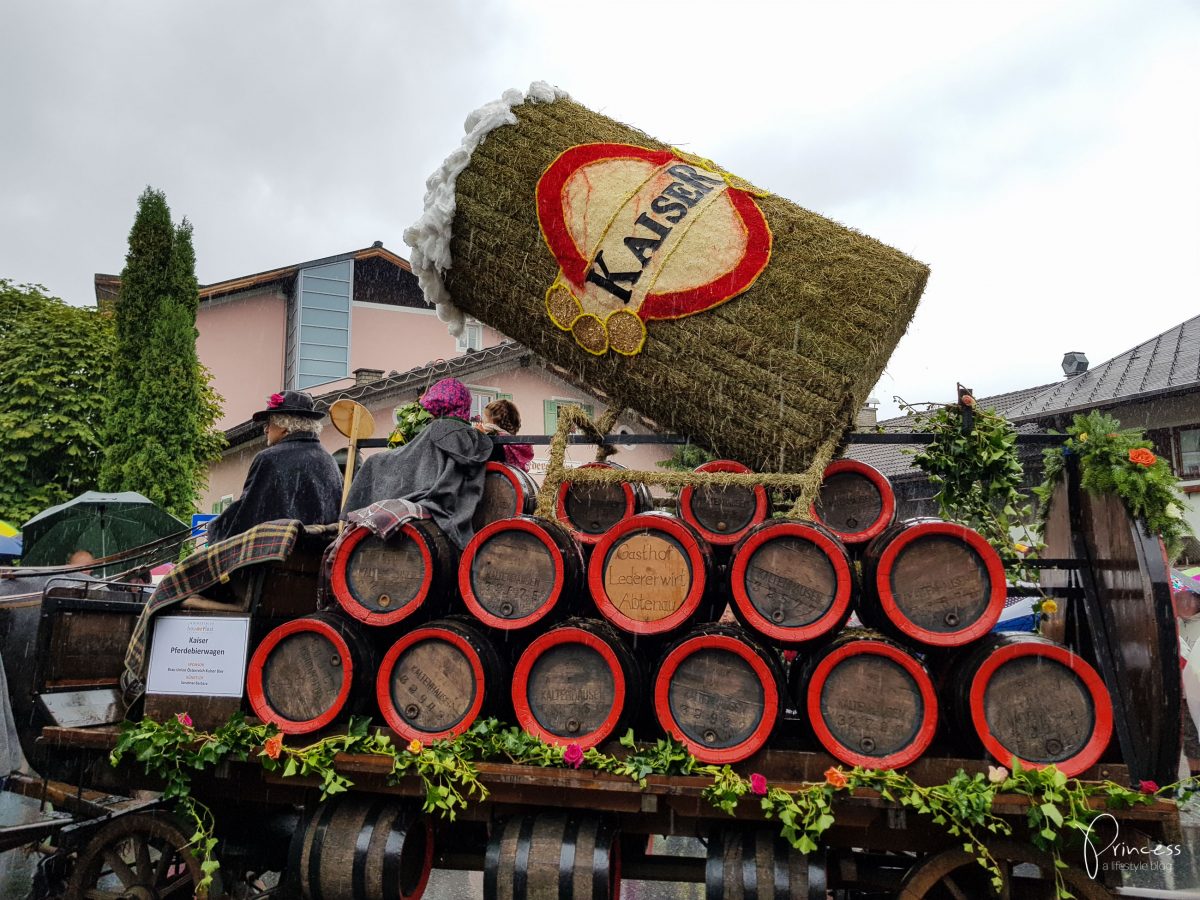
pixel 1083 437
pixel 414 746
pixel 1049 606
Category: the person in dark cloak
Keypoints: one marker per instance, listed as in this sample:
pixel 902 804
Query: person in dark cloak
pixel 294 478
pixel 441 470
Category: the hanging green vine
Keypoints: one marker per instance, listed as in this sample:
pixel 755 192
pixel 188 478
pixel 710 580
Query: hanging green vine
pixel 979 476
pixel 1116 460
pixel 175 751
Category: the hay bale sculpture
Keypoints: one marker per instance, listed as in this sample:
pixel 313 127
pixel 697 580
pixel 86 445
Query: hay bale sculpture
pixel 659 280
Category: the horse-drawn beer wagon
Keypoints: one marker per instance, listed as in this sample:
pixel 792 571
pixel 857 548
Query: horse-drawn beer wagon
pixel 576 644
pixel 687 671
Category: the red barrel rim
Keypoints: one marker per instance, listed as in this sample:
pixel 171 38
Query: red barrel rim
pixel 714 537
pixel 888 496
pixel 995 570
pixel 836 748
pixel 1090 753
pixel 567 635
pixel 681 532
pixel 511 476
pixel 426 864
pixel 254 683
pixel 468 591
pixel 383 688
pixel 662 685
pixel 560 503
pixel 341 588
pixel 841 566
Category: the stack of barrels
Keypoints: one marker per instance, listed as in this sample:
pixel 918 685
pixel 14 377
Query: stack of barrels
pixel 718 625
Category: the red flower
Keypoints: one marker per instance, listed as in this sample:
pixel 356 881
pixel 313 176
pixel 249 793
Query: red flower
pixel 758 784
pixel 184 719
pixel 274 746
pixel 835 777
pixel 1148 787
pixel 274 401
pixel 573 756
pixel 1142 457
pixel 966 400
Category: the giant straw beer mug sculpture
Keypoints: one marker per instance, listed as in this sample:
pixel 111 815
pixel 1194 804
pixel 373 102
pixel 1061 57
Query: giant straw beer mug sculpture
pixel 660 281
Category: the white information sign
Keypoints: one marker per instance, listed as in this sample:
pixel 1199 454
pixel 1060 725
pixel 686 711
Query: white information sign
pixel 199 656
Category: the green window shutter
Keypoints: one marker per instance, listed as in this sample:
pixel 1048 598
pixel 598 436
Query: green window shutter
pixel 550 416
pixel 504 396
pixel 589 409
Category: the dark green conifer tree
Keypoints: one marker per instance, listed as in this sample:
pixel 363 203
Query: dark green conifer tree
pixel 162 412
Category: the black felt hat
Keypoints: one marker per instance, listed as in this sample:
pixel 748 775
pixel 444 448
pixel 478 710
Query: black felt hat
pixel 289 403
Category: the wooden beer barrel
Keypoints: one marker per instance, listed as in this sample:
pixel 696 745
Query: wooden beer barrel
pixel 516 572
pixel 791 581
pixel 718 692
pixel 591 509
pixel 1033 699
pixel 870 702
pixel 507 492
pixel 856 501
pixel 761 865
pixel 723 514
pixel 355 847
pixel 936 583
pixel 436 680
pixel 648 574
pixel 575 683
pixel 384 582
pixel 551 855
pixel 310 671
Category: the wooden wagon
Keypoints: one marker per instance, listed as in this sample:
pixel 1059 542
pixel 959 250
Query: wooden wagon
pixel 562 832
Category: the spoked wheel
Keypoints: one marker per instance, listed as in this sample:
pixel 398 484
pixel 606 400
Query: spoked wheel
pixel 141 856
pixel 1028 875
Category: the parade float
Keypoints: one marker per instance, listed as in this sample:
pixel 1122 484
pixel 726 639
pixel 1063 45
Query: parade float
pixel 597 667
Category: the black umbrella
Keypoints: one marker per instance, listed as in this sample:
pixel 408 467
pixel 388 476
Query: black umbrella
pixel 102 524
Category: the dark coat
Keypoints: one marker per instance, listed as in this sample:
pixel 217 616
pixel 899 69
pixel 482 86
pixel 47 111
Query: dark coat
pixel 441 469
pixel 295 478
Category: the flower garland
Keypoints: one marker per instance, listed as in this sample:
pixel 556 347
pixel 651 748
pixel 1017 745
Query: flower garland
pixel 175 750
pixel 1116 460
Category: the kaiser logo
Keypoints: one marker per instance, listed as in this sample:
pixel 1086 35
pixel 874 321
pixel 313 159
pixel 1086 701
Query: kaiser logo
pixel 643 234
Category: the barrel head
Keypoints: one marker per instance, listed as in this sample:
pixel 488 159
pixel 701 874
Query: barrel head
pixel 872 707
pixel 1039 709
pixel 434 685
pixel 572 691
pixel 305 678
pixel 513 575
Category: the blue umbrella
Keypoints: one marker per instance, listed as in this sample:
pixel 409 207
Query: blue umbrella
pixel 10 547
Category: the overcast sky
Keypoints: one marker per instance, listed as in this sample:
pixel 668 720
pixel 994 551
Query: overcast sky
pixel 1043 158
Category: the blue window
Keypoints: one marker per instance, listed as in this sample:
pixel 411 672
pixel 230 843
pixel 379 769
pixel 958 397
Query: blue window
pixel 318 341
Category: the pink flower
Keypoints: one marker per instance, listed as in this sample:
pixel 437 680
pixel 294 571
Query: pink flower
pixel 573 756
pixel 274 401
pixel 184 719
pixel 758 784
pixel 1148 787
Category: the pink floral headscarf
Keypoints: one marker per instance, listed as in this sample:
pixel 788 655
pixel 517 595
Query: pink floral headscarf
pixel 448 397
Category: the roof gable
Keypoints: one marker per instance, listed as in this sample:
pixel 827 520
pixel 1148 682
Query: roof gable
pixel 1166 363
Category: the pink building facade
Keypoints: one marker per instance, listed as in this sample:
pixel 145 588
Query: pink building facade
pixel 356 325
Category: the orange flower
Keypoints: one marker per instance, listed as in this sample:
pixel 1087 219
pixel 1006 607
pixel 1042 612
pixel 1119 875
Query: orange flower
pixel 274 746
pixel 414 746
pixel 1142 457
pixel 835 777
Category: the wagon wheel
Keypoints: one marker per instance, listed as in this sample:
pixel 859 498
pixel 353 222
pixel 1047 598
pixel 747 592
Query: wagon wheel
pixel 957 875
pixel 141 856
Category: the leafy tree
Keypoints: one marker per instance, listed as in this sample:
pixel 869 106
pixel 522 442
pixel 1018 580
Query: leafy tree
pixel 162 412
pixel 55 361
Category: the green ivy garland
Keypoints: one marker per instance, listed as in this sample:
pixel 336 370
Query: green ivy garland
pixel 175 750
pixel 978 476
pixel 1116 460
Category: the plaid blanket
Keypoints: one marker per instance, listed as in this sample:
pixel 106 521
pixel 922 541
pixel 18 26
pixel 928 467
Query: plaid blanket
pixel 382 519
pixel 269 542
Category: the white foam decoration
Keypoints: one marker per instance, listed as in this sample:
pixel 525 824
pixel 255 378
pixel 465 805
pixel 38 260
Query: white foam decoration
pixel 429 236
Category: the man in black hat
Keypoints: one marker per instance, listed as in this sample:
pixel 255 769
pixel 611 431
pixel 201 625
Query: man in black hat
pixel 294 478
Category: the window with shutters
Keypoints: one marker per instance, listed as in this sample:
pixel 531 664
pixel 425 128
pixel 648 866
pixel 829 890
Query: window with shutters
pixel 552 406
